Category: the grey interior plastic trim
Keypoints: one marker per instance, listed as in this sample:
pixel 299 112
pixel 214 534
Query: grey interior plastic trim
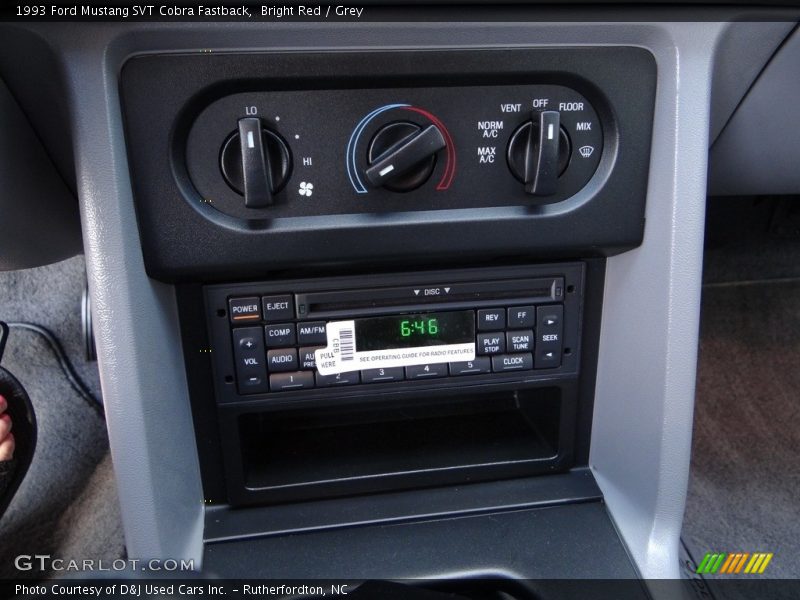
pixel 39 215
pixel 136 323
pixel 644 400
pixel 759 150
pixel 42 98
pixel 742 53
pixel 641 438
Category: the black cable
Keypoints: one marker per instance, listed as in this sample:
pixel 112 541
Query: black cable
pixel 66 366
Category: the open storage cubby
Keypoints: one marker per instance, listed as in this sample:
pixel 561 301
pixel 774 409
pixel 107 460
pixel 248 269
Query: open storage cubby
pixel 294 454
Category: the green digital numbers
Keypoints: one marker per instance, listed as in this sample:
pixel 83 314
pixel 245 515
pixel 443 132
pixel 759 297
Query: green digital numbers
pixel 419 327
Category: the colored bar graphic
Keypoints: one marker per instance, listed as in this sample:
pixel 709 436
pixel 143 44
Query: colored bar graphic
pixel 734 562
pixel 764 564
pixel 740 565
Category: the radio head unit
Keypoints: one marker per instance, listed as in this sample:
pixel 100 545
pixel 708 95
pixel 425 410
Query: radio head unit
pixel 286 341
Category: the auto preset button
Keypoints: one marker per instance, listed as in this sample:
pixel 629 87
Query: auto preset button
pixel 307 358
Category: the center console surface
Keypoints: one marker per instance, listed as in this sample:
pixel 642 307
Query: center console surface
pixel 389 288
pixel 550 543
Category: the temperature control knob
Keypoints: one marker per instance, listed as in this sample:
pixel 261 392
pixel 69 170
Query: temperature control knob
pixel 255 162
pixel 538 153
pixel 402 155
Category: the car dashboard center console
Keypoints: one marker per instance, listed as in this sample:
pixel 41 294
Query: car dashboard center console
pixel 505 166
pixel 389 264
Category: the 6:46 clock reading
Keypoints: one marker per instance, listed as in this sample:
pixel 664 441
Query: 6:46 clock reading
pixel 419 327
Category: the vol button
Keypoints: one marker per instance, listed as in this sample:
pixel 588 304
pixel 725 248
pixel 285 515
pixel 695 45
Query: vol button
pixel 251 371
pixel 248 343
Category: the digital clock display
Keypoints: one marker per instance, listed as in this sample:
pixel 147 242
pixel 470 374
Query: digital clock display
pixel 415 330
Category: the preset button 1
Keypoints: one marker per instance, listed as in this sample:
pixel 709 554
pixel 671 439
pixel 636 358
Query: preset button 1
pixel 299 380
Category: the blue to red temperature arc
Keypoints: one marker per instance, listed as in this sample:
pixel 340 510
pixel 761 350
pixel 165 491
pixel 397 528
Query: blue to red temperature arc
pixel 354 143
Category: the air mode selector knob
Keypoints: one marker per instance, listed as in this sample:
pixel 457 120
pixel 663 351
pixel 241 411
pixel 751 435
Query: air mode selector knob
pixel 402 155
pixel 538 153
pixel 255 162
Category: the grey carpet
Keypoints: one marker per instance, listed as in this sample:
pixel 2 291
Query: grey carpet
pixel 51 296
pixel 744 488
pixel 67 504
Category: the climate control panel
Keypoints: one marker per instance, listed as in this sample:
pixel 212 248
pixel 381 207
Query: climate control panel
pixel 300 153
pixel 243 164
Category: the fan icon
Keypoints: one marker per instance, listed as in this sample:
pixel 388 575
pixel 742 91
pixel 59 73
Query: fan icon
pixel 306 189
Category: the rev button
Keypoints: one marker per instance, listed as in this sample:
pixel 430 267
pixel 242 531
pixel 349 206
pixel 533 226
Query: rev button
pixel 491 319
